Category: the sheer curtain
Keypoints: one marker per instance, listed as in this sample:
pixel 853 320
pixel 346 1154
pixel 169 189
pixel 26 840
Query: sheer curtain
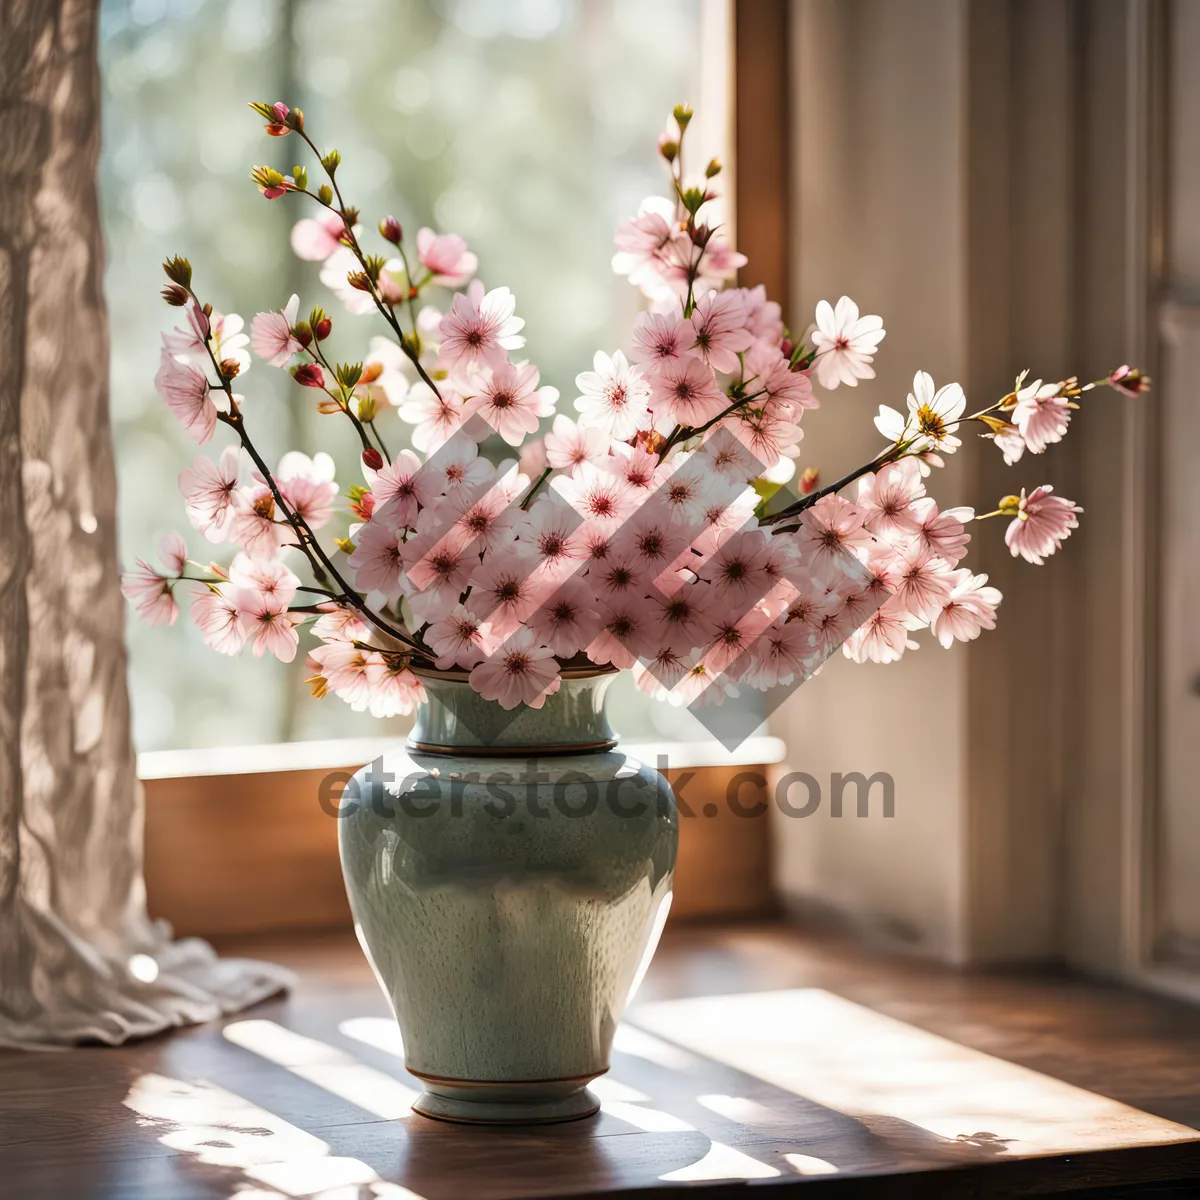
pixel 79 957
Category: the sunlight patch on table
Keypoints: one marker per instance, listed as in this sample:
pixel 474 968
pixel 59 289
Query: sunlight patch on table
pixel 846 1057
pixel 221 1129
pixel 334 1070
pixel 722 1162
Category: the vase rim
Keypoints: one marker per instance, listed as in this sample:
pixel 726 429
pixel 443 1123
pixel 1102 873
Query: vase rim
pixel 460 675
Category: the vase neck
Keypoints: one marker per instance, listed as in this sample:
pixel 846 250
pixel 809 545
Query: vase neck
pixel 455 718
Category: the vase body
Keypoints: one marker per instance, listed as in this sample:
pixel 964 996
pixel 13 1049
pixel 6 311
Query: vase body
pixel 509 876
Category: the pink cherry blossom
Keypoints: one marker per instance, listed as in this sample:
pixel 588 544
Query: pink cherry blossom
pixel 729 657
pixel 508 398
pixel 437 416
pixel 271 334
pixel 307 486
pixel 553 533
pixel 684 392
pixel 149 591
pixel 626 633
pixel 566 619
pixel 395 690
pixel 339 623
pixel 1009 441
pixel 481 521
pixel 272 580
pixel 479 329
pixel 446 258
pixel 883 637
pixel 377 561
pixel 682 619
pixel 401 487
pixel 173 551
pixel 660 337
pixel 457 465
pixel 922 581
pixel 217 616
pixel 845 343
pixel 640 242
pixel 970 608
pixel 208 490
pixel 619 575
pixel 347 670
pixel 269 627
pixel 782 653
pixel 719 321
pixel 613 396
pixel 459 639
pixel 735 571
pixel 1042 523
pixel 637 467
pixel 519 672
pixel 600 498
pixel 768 436
pixel 829 530
pixel 769 371
pixel 505 590
pixel 1041 415
pixel 569 446
pixel 885 499
pixel 257 527
pixel 316 238
pixel 764 318
pixel 660 674
pixel 186 391
pixel 943 533
pixel 438 565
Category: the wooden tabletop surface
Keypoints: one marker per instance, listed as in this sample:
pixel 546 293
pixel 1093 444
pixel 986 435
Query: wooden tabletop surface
pixel 758 1060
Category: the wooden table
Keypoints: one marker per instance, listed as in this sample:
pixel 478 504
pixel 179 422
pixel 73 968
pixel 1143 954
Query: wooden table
pixel 759 1060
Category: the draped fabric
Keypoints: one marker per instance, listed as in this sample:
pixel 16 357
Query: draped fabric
pixel 79 957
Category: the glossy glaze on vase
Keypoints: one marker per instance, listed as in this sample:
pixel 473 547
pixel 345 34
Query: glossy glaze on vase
pixel 509 890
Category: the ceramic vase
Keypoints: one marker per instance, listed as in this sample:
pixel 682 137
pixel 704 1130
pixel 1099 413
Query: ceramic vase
pixel 509 876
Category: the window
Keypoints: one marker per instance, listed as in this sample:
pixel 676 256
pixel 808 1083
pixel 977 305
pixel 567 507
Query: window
pixel 526 126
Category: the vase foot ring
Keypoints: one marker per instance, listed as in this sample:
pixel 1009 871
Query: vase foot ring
pixel 529 1103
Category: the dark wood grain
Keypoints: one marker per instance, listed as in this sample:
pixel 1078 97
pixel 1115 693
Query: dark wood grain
pixel 66 1130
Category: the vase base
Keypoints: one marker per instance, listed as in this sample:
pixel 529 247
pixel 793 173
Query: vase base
pixel 527 1103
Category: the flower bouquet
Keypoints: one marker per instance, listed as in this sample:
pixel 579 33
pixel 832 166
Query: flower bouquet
pixel 505 551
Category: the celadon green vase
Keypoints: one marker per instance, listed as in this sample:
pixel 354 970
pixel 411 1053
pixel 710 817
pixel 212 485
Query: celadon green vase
pixel 509 876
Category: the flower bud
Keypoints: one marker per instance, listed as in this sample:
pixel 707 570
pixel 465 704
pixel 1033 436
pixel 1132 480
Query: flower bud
pixel 300 177
pixel 390 230
pixel 345 545
pixel 682 114
pixel 322 328
pixel 175 295
pixel 309 375
pixel 325 194
pixel 303 333
pixel 808 480
pixel 713 169
pixel 372 458
pixel 668 148
pixel 331 161
pixel 359 280
pixel 327 405
pixel 371 372
pixel 229 368
pixel 178 270
pixel 366 409
pixel 295 119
